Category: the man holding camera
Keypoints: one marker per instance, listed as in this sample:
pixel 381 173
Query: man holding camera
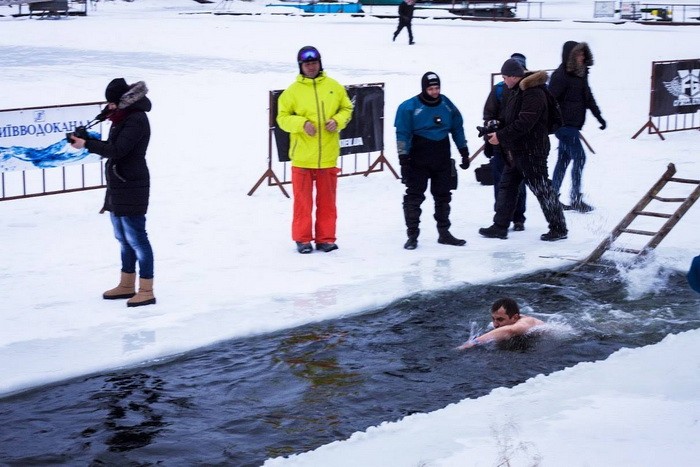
pixel 524 140
pixel 423 125
pixel 493 115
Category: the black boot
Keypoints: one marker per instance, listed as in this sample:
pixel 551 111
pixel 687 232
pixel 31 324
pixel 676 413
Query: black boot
pixel 579 205
pixel 304 248
pixel 494 232
pixel 553 235
pixel 446 238
pixel 412 242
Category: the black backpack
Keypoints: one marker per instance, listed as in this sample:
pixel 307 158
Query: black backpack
pixel 554 118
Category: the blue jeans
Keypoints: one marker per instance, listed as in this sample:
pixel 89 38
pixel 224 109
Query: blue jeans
pixel 570 149
pixel 130 231
pixel 497 164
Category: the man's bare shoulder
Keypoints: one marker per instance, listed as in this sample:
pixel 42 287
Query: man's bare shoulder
pixel 529 321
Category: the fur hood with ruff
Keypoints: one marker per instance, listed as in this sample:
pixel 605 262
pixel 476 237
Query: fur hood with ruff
pixel 136 92
pixel 533 79
pixel 567 58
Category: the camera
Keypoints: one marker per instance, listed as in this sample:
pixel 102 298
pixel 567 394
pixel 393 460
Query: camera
pixel 490 127
pixel 79 132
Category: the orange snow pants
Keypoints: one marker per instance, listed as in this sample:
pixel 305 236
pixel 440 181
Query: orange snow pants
pixel 326 181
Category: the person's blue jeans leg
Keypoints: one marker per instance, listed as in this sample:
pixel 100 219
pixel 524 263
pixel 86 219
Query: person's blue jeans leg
pixel 130 232
pixel 570 149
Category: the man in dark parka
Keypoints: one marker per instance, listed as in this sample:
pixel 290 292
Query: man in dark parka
pixel 524 140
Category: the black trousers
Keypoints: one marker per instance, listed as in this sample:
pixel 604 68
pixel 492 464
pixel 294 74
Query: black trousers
pixel 429 162
pixel 407 25
pixel 533 170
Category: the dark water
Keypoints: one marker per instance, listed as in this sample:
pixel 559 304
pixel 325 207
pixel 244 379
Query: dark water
pixel 240 402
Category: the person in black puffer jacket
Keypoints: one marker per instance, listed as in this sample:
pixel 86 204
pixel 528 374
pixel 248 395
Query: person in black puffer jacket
pixel 524 140
pixel 569 85
pixel 128 185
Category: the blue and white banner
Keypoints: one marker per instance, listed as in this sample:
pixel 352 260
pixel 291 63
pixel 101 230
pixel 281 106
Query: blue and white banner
pixel 35 138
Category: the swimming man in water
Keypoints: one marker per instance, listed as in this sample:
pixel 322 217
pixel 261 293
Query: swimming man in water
pixel 507 323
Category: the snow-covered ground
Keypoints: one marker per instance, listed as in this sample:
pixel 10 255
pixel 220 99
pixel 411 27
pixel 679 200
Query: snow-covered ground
pixel 226 266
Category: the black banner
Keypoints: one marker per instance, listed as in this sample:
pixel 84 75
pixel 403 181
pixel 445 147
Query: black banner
pixel 675 88
pixel 364 133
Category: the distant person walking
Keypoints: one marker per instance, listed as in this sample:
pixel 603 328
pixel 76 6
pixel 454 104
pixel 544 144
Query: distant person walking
pixel 313 110
pixel 569 85
pixel 128 186
pixel 405 17
pixel 423 126
pixel 524 141
pixel 493 115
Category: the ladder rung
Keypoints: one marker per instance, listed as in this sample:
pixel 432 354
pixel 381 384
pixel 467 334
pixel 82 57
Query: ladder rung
pixel 638 232
pixel 654 214
pixel 628 250
pixel 684 180
pixel 669 200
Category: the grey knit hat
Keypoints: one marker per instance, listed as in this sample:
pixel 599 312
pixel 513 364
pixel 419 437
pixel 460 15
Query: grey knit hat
pixel 512 67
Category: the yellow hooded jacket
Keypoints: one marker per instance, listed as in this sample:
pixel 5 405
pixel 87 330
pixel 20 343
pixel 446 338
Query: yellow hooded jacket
pixel 316 100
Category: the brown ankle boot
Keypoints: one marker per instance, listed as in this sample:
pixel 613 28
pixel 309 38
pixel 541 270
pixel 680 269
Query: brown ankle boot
pixel 125 289
pixel 145 295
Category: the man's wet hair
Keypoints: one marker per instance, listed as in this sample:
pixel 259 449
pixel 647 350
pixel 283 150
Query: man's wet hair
pixel 507 304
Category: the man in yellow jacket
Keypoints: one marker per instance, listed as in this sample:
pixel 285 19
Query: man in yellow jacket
pixel 313 110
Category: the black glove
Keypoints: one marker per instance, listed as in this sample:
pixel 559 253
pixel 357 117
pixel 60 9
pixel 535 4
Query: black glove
pixel 603 124
pixel 464 152
pixel 404 160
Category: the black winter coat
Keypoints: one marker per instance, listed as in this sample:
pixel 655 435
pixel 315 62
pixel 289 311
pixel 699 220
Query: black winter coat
pixel 569 85
pixel 525 118
pixel 406 12
pixel 128 179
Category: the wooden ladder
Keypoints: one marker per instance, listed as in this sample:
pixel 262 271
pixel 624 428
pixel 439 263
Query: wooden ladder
pixel 639 210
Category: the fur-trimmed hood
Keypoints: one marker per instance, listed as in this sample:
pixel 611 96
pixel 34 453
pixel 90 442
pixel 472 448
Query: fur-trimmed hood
pixel 568 53
pixel 136 92
pixel 533 79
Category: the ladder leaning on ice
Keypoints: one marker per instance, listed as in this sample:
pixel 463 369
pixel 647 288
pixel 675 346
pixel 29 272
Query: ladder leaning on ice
pixel 639 209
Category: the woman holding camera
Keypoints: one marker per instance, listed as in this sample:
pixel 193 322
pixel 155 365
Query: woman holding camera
pixel 128 186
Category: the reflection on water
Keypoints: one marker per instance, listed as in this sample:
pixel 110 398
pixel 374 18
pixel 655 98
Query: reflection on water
pixel 240 402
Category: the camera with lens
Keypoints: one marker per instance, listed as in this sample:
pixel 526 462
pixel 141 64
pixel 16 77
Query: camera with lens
pixel 79 132
pixel 490 127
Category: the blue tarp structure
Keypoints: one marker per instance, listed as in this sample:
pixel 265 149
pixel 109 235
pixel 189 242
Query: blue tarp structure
pixel 322 7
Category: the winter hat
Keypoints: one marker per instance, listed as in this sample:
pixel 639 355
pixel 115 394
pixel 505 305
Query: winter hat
pixel 520 58
pixel 115 90
pixel 429 79
pixel 512 67
pixel 309 53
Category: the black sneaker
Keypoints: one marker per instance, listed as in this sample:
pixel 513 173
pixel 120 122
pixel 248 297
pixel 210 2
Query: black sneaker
pixel 411 243
pixel 304 248
pixel 494 232
pixel 518 226
pixel 553 236
pixel 326 247
pixel 448 239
